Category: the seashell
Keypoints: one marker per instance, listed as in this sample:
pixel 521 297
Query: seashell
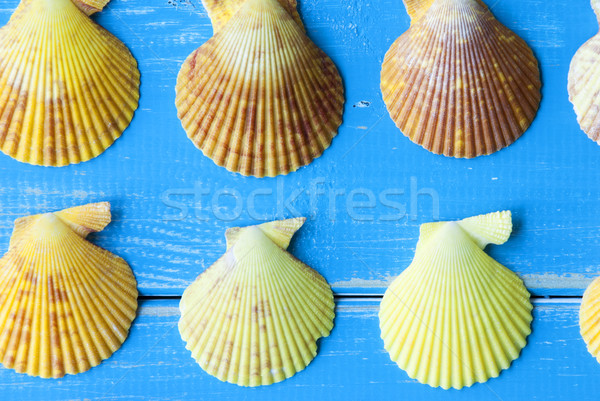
pixel 259 98
pixel 65 304
pixel 455 316
pixel 254 317
pixel 584 85
pixel 417 8
pixel 589 316
pixel 221 11
pixel 91 6
pixel 458 82
pixel 68 88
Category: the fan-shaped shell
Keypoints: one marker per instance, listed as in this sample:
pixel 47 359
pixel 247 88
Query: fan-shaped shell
pixel 65 304
pixel 259 98
pixel 455 316
pixel 68 88
pixel 254 317
pixel 584 85
pixel 458 82
pixel 589 318
pixel 221 11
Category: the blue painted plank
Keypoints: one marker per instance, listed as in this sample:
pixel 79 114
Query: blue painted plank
pixel 351 365
pixel 549 177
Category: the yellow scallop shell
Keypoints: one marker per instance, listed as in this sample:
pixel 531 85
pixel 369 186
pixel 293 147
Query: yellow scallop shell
pixel 589 318
pixel 455 316
pixel 260 98
pixel 254 317
pixel 458 82
pixel 584 85
pixel 65 304
pixel 68 88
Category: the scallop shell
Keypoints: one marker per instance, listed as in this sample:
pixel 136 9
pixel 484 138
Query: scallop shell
pixel 458 82
pixel 455 316
pixel 65 304
pixel 221 11
pixel 91 6
pixel 260 98
pixel 417 8
pixel 589 318
pixel 68 88
pixel 254 317
pixel 584 85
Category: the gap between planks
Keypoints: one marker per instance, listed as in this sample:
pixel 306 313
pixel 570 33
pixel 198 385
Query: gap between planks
pixel 536 299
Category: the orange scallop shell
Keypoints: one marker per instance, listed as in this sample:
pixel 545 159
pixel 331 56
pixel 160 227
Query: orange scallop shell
pixel 458 82
pixel 260 98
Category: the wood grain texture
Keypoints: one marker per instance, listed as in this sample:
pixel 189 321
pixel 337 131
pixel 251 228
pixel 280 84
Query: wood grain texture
pixel 549 178
pixel 153 364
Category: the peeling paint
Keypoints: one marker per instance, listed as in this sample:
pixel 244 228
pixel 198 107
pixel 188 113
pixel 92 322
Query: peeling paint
pixel 160 311
pixel 550 280
pixel 355 282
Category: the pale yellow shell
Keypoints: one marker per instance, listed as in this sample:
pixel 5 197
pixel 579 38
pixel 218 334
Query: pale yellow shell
pixel 254 317
pixel 65 304
pixel 260 98
pixel 455 316
pixel 584 85
pixel 589 318
pixel 66 96
pixel 458 82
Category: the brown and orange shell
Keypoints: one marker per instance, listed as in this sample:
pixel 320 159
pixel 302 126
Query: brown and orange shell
pixel 458 82
pixel 260 98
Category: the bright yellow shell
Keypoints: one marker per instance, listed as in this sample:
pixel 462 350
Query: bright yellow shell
pixel 589 318
pixel 65 304
pixel 458 82
pixel 254 317
pixel 260 98
pixel 455 316
pixel 221 11
pixel 584 85
pixel 68 88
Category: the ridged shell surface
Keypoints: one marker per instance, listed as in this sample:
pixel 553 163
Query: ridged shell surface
pixel 260 98
pixel 589 318
pixel 65 304
pixel 455 316
pixel 416 8
pixel 91 6
pixel 68 88
pixel 221 11
pixel 458 82
pixel 254 317
pixel 584 84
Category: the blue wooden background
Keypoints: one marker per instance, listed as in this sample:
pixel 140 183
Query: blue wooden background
pixel 172 205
